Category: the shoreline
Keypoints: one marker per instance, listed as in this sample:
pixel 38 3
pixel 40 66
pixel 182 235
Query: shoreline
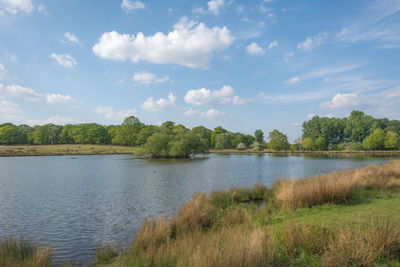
pixel 87 149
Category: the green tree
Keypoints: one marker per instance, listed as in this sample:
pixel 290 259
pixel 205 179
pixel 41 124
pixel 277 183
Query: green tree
pixel 320 144
pixel 375 141
pixel 278 141
pixel 11 135
pixel 217 131
pixel 203 133
pixel 176 142
pixel 222 141
pixel 308 143
pixel 259 135
pixel 392 141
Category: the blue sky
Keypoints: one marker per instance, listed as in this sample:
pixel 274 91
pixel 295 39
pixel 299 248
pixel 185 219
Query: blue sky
pixel 245 65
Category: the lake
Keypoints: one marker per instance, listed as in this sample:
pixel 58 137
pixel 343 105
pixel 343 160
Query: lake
pixel 77 203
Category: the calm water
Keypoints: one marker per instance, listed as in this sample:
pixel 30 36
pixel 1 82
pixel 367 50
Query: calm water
pixel 75 204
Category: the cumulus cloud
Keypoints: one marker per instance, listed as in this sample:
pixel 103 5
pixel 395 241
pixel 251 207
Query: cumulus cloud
pixel 210 114
pixel 18 91
pixel 116 115
pixel 254 49
pixel 214 6
pixel 384 103
pixel 190 44
pixel 342 101
pixel 64 60
pixel 57 98
pixel 148 78
pixel 311 42
pixel 205 97
pixel 273 44
pixel 15 6
pixel 128 5
pixel 70 37
pixel 160 104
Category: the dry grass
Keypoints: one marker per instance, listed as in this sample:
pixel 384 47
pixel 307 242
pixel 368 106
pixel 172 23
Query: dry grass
pixel 338 186
pixel 363 246
pixel 15 253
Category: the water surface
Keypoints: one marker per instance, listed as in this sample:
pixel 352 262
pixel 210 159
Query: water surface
pixel 75 204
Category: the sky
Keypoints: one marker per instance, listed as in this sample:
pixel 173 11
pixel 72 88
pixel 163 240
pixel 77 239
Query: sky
pixel 244 65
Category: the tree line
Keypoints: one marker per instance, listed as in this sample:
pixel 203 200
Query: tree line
pixel 356 132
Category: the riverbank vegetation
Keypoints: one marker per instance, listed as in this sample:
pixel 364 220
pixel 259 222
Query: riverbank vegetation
pixel 14 253
pixel 347 218
pixel 358 132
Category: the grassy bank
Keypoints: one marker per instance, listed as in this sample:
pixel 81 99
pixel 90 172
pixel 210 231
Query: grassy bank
pixel 348 218
pixel 56 150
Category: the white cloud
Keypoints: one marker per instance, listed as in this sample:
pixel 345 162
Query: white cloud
pixel 214 6
pixel 128 5
pixel 379 23
pixel 64 60
pixel 273 44
pixel 342 101
pixel 57 119
pixel 210 114
pixel 5 76
pixel 342 33
pixel 18 91
pixel 384 103
pixel 292 98
pixel 57 98
pixel 70 37
pixel 148 78
pixel 15 6
pixel 190 44
pixel 199 10
pixel 115 115
pixel 206 97
pixel 7 107
pixel 254 49
pixel 293 80
pixel 324 72
pixel 160 104
pixel 312 42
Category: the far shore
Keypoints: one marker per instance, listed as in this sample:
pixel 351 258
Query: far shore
pixel 87 149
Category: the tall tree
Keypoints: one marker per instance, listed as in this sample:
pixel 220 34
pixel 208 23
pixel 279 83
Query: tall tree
pixel 278 141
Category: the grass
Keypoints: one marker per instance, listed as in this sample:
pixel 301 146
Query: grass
pixel 347 218
pixel 55 150
pixel 15 253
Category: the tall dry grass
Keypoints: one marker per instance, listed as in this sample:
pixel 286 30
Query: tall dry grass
pixel 338 186
pixel 16 253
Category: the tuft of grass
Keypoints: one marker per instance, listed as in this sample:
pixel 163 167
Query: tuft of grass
pixel 105 255
pixel 338 186
pixel 22 252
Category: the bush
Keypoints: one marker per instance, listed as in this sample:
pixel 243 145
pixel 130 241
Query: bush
pixel 241 146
